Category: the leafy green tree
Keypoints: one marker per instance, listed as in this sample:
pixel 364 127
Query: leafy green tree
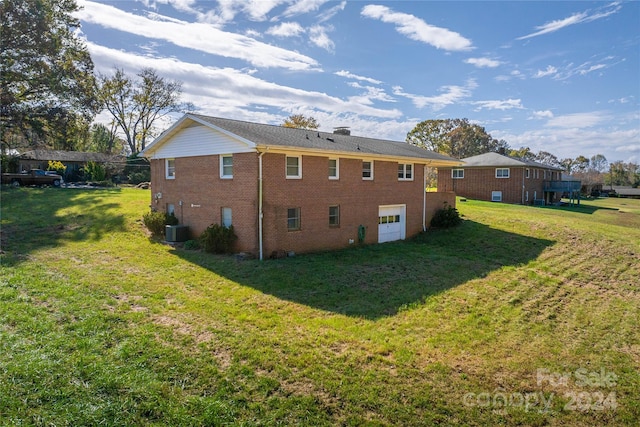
pixel 47 72
pixel 454 137
pixel 300 121
pixel 521 153
pixel 547 158
pixel 136 104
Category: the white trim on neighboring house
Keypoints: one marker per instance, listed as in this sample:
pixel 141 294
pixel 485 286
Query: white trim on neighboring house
pixel 337 168
pixel 367 174
pixel 298 166
pixel 500 173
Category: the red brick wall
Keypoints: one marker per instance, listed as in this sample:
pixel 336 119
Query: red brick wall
pixel 203 194
pixel 478 183
pixel 198 185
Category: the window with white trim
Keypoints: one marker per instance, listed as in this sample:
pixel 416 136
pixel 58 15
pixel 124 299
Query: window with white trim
pixel 226 166
pixel 293 219
pixel 170 168
pixel 367 170
pixel 528 173
pixel 405 172
pixel 502 172
pixel 294 167
pixel 457 173
pixel 496 196
pixel 334 169
pixel 226 217
pixel 334 216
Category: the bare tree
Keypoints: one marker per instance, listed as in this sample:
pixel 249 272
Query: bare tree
pixel 137 104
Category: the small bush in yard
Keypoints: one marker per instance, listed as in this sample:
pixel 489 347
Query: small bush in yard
pixel 446 217
pixel 156 221
pixel 218 239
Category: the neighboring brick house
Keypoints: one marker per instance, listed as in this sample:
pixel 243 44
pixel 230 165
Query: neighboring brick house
pixel 287 189
pixel 499 178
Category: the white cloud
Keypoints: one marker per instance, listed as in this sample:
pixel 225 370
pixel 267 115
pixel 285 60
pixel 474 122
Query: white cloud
pixel 198 36
pixel 417 29
pixel 578 120
pixel 286 29
pixel 451 94
pixel 330 13
pixel 543 114
pixel 304 6
pixel 349 75
pixel 483 62
pixel 319 37
pixel 576 18
pixel 550 71
pixel 227 91
pixel 507 104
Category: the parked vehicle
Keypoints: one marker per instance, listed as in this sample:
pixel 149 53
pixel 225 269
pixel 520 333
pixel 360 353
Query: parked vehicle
pixel 33 177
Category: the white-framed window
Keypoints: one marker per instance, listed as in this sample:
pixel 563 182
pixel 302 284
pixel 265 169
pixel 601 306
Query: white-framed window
pixel 502 172
pixel 334 169
pixel 457 173
pixel 537 173
pixel 334 216
pixel 367 170
pixel 294 167
pixel 170 168
pixel 526 196
pixel 293 219
pixel 226 166
pixel 405 172
pixel 496 196
pixel 226 217
pixel 527 172
pixel 171 209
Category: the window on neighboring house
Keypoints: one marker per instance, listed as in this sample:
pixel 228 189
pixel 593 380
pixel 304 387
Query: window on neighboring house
pixel 171 209
pixel 226 217
pixel 405 172
pixel 526 196
pixel 496 196
pixel 226 166
pixel 537 173
pixel 457 173
pixel 294 167
pixel 527 173
pixel 334 216
pixel 367 170
pixel 502 172
pixel 170 168
pixel 334 169
pixel 293 219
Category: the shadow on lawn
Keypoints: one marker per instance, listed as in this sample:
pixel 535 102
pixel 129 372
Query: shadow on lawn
pixel 380 280
pixel 582 208
pixel 31 218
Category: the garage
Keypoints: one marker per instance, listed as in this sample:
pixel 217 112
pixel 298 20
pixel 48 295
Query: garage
pixel 391 223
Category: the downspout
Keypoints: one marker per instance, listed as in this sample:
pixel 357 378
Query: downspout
pixel 424 199
pixel 260 214
pixel 522 195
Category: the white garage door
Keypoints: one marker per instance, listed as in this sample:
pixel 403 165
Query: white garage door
pixel 391 223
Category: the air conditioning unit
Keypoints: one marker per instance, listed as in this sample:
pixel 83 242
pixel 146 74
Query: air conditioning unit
pixel 176 233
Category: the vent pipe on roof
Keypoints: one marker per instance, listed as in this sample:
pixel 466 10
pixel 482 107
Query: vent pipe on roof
pixel 342 130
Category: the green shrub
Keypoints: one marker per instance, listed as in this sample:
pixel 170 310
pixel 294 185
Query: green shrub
pixel 218 239
pixel 139 176
pixel 446 217
pixel 95 171
pixel 156 222
pixel 192 245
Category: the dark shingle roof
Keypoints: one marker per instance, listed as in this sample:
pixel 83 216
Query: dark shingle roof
pixel 273 135
pixel 500 160
pixel 70 156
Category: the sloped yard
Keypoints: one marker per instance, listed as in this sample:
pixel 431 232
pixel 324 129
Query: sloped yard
pixel 520 316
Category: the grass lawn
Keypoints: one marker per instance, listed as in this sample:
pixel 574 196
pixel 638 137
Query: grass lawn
pixel 520 316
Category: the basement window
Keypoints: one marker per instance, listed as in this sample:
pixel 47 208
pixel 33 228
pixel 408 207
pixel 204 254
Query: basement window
pixel 293 219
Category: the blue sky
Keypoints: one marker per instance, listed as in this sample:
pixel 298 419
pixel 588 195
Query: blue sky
pixel 561 76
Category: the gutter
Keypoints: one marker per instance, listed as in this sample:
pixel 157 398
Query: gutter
pixel 424 198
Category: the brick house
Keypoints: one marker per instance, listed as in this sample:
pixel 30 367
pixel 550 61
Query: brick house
pixel 499 178
pixel 286 189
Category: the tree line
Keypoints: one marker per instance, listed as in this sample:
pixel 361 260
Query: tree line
pixel 50 94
